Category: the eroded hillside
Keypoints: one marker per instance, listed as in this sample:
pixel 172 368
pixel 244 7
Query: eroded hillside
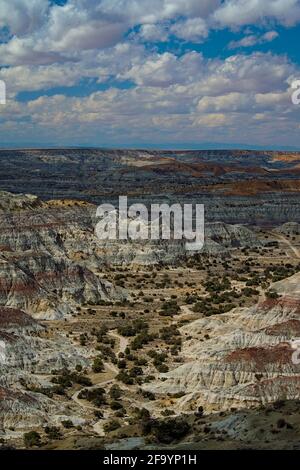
pixel 109 342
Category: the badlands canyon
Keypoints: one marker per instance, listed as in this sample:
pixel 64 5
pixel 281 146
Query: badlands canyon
pixel 128 344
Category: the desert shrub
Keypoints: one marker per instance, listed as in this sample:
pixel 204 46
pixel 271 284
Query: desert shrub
pixel 272 294
pixel 32 439
pixel 63 379
pixel 111 425
pixel 125 378
pixel 116 405
pixel 98 365
pixel 67 424
pixel 140 361
pixel 53 432
pixel 96 396
pixel 169 308
pixel 168 332
pixel 167 412
pixel 82 380
pixel 142 414
pixel 148 395
pixel 167 431
pixel 248 291
pixel 281 423
pixel 140 340
pixel 162 368
pixel 122 364
pixel 135 371
pixel 115 392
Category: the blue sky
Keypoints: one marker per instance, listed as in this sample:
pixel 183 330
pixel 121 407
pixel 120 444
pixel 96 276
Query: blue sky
pixel 155 73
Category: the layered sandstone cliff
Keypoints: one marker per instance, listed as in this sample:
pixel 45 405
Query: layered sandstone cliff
pixel 239 359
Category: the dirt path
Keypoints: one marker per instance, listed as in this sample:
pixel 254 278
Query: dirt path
pixel 286 242
pixel 185 309
pixel 123 342
pixel 99 426
pixel 81 403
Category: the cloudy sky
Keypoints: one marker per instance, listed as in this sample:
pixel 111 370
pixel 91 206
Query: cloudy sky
pixel 150 73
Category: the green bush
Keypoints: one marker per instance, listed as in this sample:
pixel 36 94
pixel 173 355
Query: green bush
pixel 32 439
pixel 98 365
pixel 53 432
pixel 115 392
pixel 111 425
pixel 68 424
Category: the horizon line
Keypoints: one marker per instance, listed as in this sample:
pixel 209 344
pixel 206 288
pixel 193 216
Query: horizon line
pixel 156 149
